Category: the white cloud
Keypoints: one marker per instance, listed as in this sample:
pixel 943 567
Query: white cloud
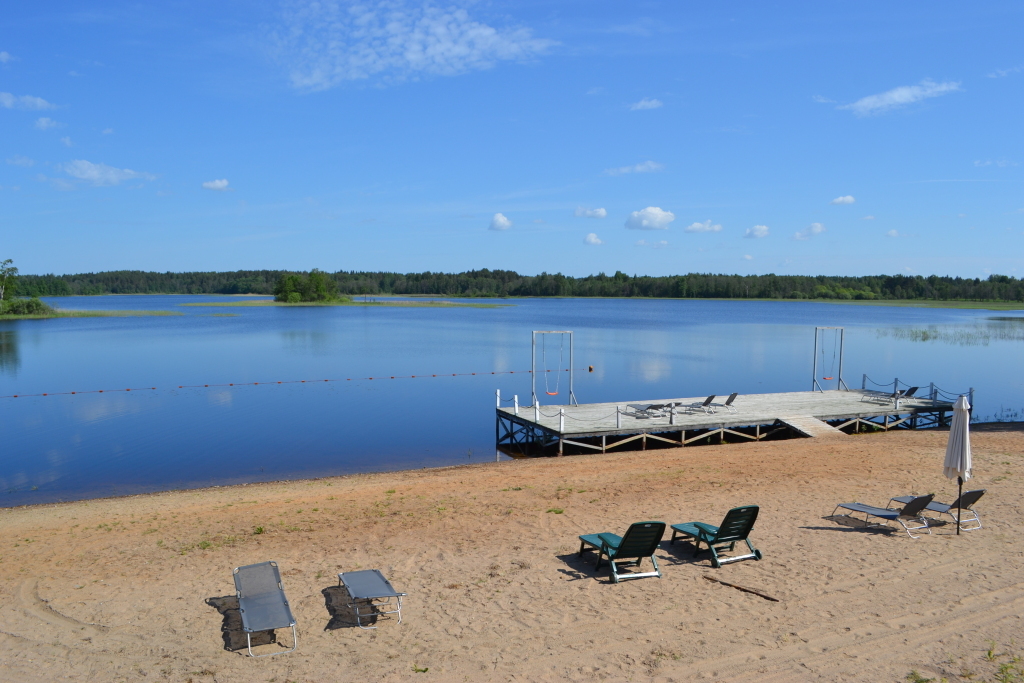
pixel 823 100
pixel 642 167
pixel 597 90
pixel 810 231
pixel 651 218
pixel 219 185
pixel 901 96
pixel 101 174
pixel 45 123
pixel 584 212
pixel 660 244
pixel 892 233
pixel 847 199
pixel 756 231
pixel 18 160
pixel 539 221
pixel 67 141
pixel 999 73
pixel 9 101
pixel 108 131
pixel 499 222
pixel 328 43
pixel 868 218
pixel 1001 163
pixel 593 239
pixel 6 57
pixel 646 103
pixel 748 257
pixel 706 226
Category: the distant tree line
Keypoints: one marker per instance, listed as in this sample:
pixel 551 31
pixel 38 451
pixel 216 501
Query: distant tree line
pixel 506 283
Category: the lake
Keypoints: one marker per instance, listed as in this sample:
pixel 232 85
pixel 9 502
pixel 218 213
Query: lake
pixel 67 447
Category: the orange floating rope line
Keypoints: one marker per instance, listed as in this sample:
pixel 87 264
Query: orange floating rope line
pixel 294 381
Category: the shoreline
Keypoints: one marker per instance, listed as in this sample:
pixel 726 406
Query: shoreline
pixel 908 303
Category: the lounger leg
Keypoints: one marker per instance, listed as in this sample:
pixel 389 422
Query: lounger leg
pixel 295 644
pixel 654 560
pixel 714 557
pixel 582 546
pixel 615 571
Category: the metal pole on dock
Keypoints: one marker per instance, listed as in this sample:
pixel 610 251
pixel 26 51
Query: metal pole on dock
pixel 841 384
pixel 561 419
pixel 536 411
pixel 864 382
pixel 497 399
pixel 814 367
pixel 931 391
pixel 533 370
pixel 515 405
pixel 618 419
pixel 671 413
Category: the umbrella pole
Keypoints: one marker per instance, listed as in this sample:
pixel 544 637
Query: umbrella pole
pixel 959 510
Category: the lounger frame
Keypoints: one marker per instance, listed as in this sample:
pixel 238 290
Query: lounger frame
pixel 736 526
pixel 378 594
pixel 639 534
pixel 968 515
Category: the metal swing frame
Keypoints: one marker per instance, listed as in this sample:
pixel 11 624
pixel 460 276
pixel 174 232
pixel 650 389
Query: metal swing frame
pixel 841 385
pixel 533 365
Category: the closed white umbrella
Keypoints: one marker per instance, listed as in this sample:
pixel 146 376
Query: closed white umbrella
pixel 958 449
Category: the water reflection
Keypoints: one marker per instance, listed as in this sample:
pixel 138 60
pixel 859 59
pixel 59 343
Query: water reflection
pixel 10 360
pixel 981 334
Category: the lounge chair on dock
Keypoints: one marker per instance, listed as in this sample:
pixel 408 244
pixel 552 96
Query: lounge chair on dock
pixel 736 526
pixel 640 540
pixel 262 603
pixel 706 406
pixel 728 405
pixel 648 410
pixel 911 512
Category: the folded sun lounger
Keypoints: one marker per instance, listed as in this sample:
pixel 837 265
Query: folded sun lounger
pixel 964 503
pixel 911 512
pixel 369 589
pixel 736 526
pixel 640 540
pixel 262 603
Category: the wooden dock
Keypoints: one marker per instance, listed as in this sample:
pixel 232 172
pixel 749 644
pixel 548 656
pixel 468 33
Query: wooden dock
pixel 681 421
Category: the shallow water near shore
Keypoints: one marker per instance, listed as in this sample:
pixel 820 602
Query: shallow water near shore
pixel 66 447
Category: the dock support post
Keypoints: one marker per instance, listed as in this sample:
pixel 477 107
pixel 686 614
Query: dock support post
pixel 886 422
pixel 497 398
pixel 561 419
pixel 536 412
pixel 604 443
pixel 643 442
pixel 618 419
pixel 758 432
pixel 515 405
pixel 721 435
pixel 931 391
pixel 560 445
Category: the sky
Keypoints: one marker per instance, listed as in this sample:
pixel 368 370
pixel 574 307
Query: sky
pixel 813 138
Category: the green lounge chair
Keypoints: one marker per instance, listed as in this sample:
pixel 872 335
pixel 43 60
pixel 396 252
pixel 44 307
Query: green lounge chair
pixel 735 527
pixel 640 540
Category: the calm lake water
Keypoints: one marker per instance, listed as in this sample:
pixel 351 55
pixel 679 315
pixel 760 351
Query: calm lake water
pixel 70 447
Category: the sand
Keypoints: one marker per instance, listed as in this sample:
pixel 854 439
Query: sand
pixel 117 589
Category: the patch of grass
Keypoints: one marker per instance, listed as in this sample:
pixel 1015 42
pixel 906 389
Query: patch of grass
pixel 203 545
pixel 556 511
pixel 915 677
pixel 419 670
pixel 258 530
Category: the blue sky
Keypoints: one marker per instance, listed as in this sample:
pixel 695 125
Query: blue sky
pixel 648 137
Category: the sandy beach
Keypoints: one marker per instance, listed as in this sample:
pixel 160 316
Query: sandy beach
pixel 127 589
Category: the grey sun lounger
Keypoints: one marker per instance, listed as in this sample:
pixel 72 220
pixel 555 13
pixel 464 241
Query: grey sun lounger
pixel 706 406
pixel 640 540
pixel 728 402
pixel 369 589
pixel 262 603
pixel 736 526
pixel 911 512
pixel 645 410
pixel 964 503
